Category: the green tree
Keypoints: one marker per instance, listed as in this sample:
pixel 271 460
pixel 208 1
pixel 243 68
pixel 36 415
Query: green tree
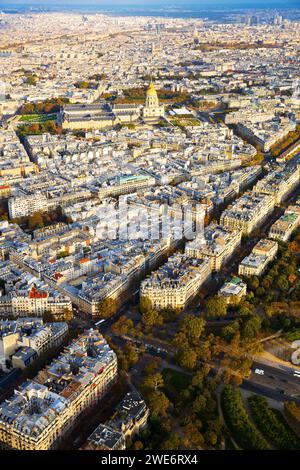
pixel 31 80
pixel 229 331
pixel 245 308
pixel 260 292
pixel 216 307
pixel 138 445
pixel 211 438
pixel 238 421
pixel 251 327
pixel 192 327
pixel 282 283
pixel 82 84
pixel 198 380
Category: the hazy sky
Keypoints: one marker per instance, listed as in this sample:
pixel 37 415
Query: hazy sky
pixel 184 3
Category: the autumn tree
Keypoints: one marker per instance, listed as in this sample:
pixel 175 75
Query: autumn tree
pixel 107 307
pixel 122 326
pixel 199 404
pixel 173 442
pixel 123 363
pixel 153 382
pixel 180 340
pixel 35 221
pixel 131 354
pixel 192 439
pixel 67 314
pixel 152 318
pixel 187 358
pixel 153 365
pixel 138 445
pixel 158 402
pixel 145 305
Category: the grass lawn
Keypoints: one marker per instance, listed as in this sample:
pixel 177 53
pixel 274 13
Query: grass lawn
pixel 37 118
pixel 185 122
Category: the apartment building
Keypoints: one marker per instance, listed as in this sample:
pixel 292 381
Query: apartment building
pixel 279 183
pixel 105 438
pixel 218 244
pixel 283 228
pixel 35 302
pixel 23 206
pixel 176 282
pixel 43 411
pixel 248 212
pixel 130 418
pixel 126 185
pixel 262 254
pixel 233 291
pixel 28 333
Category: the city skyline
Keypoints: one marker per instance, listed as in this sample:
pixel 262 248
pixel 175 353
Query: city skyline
pixel 161 4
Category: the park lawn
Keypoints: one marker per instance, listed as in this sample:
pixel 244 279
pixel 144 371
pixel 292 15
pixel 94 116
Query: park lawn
pixel 185 122
pixel 36 118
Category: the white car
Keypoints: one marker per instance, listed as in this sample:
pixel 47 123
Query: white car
pixel 259 371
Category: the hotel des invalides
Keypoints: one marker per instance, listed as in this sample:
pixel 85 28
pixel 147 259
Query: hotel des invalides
pixel 104 114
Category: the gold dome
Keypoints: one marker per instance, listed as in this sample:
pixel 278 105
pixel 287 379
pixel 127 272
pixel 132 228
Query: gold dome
pixel 151 90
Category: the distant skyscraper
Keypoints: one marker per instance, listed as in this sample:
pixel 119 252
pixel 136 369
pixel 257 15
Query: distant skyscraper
pixel 251 20
pixel 196 36
pixel 278 20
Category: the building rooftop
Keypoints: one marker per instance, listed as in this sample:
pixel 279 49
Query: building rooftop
pixel 105 437
pixel 32 409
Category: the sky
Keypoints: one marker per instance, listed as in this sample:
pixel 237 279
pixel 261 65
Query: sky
pixel 199 4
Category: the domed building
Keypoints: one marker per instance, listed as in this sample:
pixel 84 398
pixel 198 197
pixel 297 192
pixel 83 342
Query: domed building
pixel 104 115
pixel 152 109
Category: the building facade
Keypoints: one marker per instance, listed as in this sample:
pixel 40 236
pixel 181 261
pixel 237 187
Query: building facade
pixel 43 411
